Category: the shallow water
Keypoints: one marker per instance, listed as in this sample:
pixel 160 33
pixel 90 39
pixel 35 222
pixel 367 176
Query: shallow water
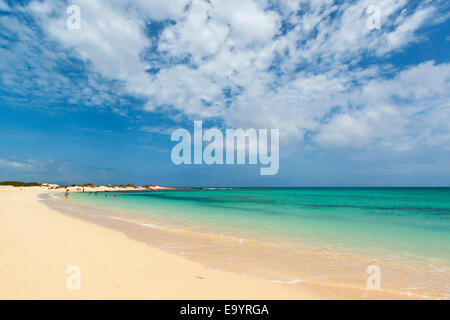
pixel 304 235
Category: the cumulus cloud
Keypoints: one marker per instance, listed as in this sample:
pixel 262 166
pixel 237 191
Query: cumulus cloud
pixel 398 113
pixel 111 37
pixel 308 68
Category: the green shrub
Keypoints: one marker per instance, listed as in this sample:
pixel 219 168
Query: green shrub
pixel 19 184
pixel 88 185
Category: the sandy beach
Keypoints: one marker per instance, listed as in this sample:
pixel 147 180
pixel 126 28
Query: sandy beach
pixel 225 150
pixel 38 244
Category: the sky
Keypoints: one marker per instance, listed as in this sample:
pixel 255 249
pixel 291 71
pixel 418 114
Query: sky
pixel 356 103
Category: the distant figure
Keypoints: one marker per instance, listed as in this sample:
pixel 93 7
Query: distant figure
pixel 106 195
pixel 83 189
pixel 67 193
pixel 95 193
pixel 89 193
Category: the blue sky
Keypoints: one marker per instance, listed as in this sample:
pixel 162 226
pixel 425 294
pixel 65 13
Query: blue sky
pixel 355 106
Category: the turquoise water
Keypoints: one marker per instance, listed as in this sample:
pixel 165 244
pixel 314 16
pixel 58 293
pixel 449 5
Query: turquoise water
pixel 406 222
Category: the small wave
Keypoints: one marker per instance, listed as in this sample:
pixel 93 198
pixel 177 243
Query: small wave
pixel 293 281
pixel 154 226
pixel 197 234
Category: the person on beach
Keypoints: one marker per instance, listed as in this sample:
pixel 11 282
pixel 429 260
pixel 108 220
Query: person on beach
pixel 67 193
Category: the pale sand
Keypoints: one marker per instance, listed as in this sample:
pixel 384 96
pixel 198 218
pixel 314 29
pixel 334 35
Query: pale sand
pixel 37 245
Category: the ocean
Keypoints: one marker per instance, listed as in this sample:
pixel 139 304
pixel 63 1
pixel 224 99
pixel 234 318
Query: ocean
pixel 316 236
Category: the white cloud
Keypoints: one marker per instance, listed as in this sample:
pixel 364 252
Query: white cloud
pixel 3 6
pixel 406 28
pixel 157 9
pixel 16 165
pixel 411 109
pixel 253 66
pixel 158 129
pixel 111 38
pixel 197 35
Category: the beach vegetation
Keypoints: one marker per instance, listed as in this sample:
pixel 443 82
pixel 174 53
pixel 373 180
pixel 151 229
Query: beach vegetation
pixel 19 184
pixel 88 185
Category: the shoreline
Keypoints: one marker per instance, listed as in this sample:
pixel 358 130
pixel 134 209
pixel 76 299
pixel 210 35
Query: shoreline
pixel 135 228
pixel 232 285
pixel 38 244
